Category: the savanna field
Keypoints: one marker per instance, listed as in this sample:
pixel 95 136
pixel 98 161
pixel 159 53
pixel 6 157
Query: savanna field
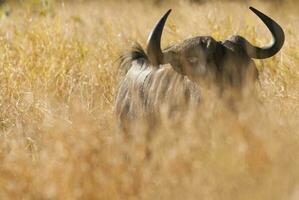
pixel 58 134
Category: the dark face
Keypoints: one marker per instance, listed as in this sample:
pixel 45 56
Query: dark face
pixel 195 57
pixel 203 58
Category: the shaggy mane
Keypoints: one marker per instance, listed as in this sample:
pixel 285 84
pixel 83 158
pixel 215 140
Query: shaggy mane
pixel 136 53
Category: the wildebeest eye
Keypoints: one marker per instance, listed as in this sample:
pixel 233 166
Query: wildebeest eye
pixel 193 60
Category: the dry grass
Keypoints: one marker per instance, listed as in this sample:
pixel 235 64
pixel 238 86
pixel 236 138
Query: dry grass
pixel 58 77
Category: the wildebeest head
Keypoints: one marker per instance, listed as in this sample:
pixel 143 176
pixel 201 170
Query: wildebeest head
pixel 228 61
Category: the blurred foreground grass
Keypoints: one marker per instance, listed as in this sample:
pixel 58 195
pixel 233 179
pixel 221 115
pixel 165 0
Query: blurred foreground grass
pixel 58 77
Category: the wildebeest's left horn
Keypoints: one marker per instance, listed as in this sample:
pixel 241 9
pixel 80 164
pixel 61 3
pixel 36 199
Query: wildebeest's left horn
pixel 277 34
pixel 153 48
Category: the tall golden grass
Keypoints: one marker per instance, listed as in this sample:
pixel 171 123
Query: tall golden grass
pixel 58 79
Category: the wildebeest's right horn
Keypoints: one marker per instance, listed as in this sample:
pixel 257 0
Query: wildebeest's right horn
pixel 153 48
pixel 277 34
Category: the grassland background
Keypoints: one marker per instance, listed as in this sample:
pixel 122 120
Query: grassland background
pixel 58 78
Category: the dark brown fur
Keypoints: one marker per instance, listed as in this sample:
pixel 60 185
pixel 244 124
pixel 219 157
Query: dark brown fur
pixel 146 89
pixel 171 78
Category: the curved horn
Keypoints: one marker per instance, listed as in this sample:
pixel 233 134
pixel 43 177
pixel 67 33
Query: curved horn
pixel 153 48
pixel 277 34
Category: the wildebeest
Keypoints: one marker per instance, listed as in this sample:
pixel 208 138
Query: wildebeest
pixel 157 77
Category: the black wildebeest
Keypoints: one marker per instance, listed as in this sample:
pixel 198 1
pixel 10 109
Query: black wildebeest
pixel 170 77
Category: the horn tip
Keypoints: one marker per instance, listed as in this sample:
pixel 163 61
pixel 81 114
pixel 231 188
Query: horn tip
pixel 252 9
pixel 256 11
pixel 168 12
